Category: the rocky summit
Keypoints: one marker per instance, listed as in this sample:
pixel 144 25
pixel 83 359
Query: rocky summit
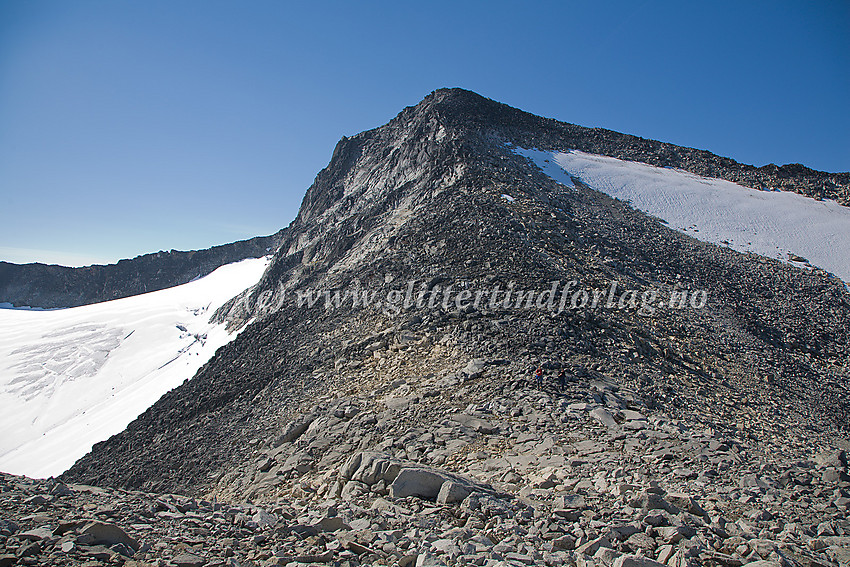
pixel 454 359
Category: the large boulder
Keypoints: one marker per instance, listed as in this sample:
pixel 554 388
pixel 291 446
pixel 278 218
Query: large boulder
pixel 108 534
pixel 406 478
pixel 370 467
pixel 475 423
pixel 422 482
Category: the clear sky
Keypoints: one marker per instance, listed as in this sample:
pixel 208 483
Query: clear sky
pixel 128 127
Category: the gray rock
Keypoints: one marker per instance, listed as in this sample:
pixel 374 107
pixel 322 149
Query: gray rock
pixel 420 482
pixel 301 462
pixel 97 552
pixel 604 417
pixel 36 500
pixel 640 541
pixel 109 534
pixel 606 556
pixel 631 415
pixel 428 560
pixel 474 423
pixel 352 489
pixel 675 534
pixel 636 561
pixel 685 502
pixel 452 491
pixel 264 519
pixel 8 527
pixel 486 504
pixel 266 464
pixel 832 459
pixel 331 524
pixel 37 534
pixel 592 546
pixel 474 368
pixel 398 403
pixel 447 546
pixel 569 502
pixel 653 501
pixel 834 476
pixel 623 532
pixel 370 468
pixel 60 489
pixel 293 431
pixel 566 542
pixel 665 552
pixel 188 560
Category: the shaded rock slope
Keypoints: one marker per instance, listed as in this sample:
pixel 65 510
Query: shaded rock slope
pixel 410 434
pixel 52 286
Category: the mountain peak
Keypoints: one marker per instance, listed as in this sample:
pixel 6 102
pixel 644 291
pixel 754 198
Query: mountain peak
pixel 442 200
pixel 456 140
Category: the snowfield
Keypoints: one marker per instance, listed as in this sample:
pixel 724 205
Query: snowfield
pixel 782 225
pixel 70 378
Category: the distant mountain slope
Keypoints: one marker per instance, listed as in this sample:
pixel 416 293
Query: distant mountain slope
pixel 51 286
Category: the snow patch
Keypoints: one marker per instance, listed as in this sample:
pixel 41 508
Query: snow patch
pixel 546 162
pixel 783 225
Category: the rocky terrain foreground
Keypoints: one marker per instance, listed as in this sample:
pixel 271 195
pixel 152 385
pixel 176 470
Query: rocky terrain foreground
pixel 478 467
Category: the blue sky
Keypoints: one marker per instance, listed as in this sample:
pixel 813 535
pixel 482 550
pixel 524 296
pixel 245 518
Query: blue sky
pixel 131 127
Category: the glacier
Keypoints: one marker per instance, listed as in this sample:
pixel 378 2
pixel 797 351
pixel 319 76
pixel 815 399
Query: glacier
pixel 70 378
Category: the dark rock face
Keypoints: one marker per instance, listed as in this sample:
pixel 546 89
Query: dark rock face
pixel 420 200
pixel 51 286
